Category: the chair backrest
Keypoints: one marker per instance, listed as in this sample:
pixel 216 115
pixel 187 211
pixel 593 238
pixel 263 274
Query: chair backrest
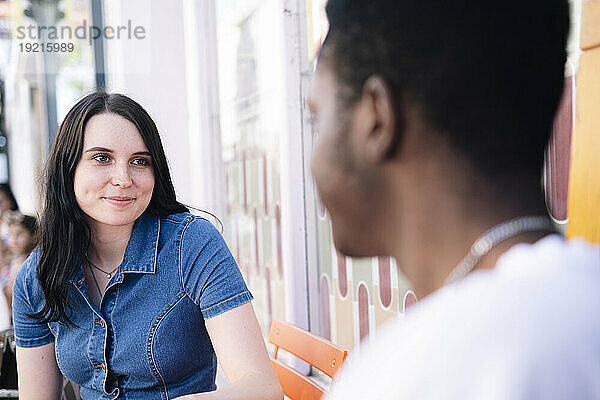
pixel 315 350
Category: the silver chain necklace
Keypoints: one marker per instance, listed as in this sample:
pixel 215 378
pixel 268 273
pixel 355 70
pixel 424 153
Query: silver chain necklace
pixel 492 237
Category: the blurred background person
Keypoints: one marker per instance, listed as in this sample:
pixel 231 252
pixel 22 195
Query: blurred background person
pixel 9 209
pixel 8 203
pixel 21 242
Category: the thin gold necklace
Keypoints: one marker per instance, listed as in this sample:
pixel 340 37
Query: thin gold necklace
pixel 96 282
pixel 108 274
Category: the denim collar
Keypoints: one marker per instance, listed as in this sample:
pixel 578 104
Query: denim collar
pixel 140 254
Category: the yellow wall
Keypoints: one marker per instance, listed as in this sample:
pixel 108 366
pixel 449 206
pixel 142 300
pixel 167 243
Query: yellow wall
pixel 584 186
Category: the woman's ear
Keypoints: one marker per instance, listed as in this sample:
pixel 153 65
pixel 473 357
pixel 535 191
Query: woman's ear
pixel 380 121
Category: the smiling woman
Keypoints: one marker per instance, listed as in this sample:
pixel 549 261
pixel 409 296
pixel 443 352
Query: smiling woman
pixel 129 295
pixel 114 179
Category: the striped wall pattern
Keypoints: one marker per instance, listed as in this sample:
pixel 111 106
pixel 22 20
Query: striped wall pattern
pixel 558 157
pixel 356 294
pixel 254 227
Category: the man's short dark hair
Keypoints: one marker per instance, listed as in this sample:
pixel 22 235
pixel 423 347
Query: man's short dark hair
pixel 487 74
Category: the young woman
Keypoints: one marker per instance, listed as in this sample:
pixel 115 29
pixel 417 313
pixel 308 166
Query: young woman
pixel 129 295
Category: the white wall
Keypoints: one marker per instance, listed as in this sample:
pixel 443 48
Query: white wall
pixel 151 71
pixel 26 128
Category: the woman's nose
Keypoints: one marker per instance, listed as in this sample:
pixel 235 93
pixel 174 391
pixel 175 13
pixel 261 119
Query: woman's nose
pixel 121 176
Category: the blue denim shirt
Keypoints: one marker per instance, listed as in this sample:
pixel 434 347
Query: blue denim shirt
pixel 148 340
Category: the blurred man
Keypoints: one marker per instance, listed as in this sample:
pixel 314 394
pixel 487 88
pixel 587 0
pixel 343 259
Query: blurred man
pixel 432 118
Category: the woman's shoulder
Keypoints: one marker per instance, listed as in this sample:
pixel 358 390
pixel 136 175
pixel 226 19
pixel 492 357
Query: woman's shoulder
pixel 192 225
pixel 188 231
pixel 29 267
pixel 178 218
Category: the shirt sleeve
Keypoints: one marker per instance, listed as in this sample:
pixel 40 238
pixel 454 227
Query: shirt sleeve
pixel 28 299
pixel 209 273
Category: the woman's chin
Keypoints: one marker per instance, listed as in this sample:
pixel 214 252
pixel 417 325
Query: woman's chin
pixel 114 220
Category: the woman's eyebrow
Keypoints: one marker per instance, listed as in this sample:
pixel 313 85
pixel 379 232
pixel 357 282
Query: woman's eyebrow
pixel 104 149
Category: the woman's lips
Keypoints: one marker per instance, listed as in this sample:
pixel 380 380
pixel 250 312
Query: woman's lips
pixel 119 201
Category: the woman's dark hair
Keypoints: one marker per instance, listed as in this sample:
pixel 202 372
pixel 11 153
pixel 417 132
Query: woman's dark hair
pixel 64 232
pixel 5 188
pixel 28 222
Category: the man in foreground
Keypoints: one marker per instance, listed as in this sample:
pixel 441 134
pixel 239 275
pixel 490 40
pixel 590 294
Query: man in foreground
pixel 432 120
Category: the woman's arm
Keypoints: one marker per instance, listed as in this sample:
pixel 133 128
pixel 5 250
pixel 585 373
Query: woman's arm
pixel 241 351
pixel 39 376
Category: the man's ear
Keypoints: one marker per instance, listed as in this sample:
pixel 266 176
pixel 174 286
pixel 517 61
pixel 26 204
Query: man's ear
pixel 380 121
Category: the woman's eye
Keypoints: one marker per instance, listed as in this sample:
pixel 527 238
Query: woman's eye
pixel 101 158
pixel 140 161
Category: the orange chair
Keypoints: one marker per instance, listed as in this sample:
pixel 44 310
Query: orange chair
pixel 318 352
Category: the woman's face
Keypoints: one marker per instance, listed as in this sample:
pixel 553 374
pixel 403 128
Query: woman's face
pixel 114 178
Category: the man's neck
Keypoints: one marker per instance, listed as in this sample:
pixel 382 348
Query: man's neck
pixel 435 236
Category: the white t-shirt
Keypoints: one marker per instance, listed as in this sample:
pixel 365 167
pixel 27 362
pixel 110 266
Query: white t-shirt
pixel 528 329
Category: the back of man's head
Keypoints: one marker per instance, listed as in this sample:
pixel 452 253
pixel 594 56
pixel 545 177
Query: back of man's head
pixel 487 74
